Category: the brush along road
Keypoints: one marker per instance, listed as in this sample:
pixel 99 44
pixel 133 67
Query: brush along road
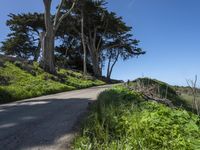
pixel 44 123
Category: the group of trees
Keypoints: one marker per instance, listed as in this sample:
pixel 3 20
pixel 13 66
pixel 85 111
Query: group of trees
pixel 81 35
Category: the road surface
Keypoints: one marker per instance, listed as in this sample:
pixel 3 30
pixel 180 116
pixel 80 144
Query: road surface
pixel 44 123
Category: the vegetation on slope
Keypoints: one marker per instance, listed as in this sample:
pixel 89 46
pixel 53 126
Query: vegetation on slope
pixel 178 95
pixel 186 94
pixel 20 80
pixel 121 119
pixel 158 89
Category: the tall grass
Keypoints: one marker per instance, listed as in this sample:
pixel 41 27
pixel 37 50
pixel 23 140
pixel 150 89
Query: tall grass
pixel 121 119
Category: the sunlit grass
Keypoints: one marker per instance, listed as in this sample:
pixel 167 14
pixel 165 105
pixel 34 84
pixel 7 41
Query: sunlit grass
pixel 18 81
pixel 121 119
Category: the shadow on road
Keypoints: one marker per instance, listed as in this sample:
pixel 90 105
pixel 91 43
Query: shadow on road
pixel 36 123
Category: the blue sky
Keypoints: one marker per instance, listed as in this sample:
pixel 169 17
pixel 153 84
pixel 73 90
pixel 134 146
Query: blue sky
pixel 169 31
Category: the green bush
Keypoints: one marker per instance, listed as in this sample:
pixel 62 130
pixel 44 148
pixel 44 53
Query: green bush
pixel 121 119
pixel 19 81
pixel 77 79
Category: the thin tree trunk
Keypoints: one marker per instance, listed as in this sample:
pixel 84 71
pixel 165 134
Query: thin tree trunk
pixel 108 69
pixel 83 43
pixel 112 66
pixel 37 53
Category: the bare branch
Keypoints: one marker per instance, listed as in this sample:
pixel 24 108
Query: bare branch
pixel 64 16
pixel 193 86
pixel 58 13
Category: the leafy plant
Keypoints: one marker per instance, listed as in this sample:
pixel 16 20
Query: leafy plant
pixel 121 119
pixel 19 81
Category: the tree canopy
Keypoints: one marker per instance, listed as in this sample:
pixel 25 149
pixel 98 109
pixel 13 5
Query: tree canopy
pixel 101 40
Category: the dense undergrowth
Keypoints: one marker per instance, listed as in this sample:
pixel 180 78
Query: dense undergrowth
pixel 121 119
pixel 19 80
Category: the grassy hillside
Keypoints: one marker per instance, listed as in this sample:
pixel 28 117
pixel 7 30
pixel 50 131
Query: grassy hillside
pixel 158 89
pixel 122 119
pixel 20 80
pixel 186 94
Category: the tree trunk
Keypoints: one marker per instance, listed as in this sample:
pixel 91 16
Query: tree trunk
pixel 47 40
pixel 95 64
pixel 37 52
pixel 48 53
pixel 110 67
pixel 83 43
pixel 95 60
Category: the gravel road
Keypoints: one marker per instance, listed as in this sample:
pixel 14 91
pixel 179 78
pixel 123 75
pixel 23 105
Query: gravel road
pixel 44 123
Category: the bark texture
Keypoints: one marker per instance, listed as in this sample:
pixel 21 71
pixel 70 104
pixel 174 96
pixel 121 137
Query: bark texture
pixel 48 37
pixel 83 43
pixel 95 60
pixel 47 40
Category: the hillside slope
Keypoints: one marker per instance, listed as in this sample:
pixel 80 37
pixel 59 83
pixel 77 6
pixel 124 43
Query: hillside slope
pixel 20 80
pixel 122 119
pixel 157 89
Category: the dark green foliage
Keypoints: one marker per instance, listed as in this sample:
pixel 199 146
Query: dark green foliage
pixel 23 41
pixel 122 120
pixel 1 63
pixel 19 45
pixel 4 80
pixel 108 37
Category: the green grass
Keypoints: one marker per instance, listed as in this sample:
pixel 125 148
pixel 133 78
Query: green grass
pixel 161 89
pixel 188 98
pixel 185 93
pixel 121 119
pixel 77 79
pixel 20 80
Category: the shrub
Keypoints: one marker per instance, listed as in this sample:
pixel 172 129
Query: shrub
pixel 19 81
pixel 121 119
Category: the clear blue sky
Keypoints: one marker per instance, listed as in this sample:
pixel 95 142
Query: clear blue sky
pixel 169 30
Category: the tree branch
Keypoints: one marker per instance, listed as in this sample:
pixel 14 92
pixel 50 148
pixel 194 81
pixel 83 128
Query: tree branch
pixel 112 46
pixel 58 13
pixel 47 4
pixel 106 26
pixel 64 16
pixel 116 59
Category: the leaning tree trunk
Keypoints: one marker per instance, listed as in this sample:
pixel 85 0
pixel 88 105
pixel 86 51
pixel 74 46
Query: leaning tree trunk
pixel 110 67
